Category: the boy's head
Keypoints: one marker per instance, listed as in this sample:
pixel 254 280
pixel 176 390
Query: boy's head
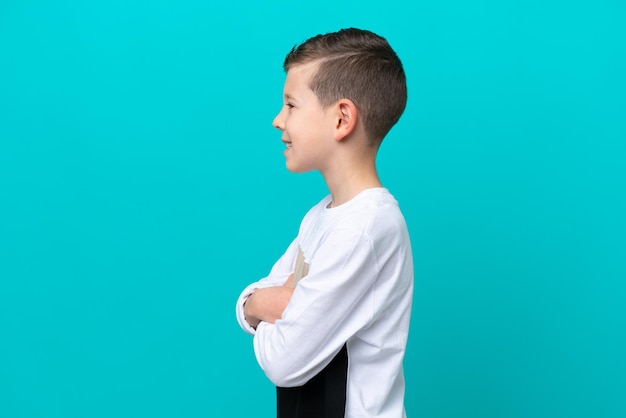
pixel 360 66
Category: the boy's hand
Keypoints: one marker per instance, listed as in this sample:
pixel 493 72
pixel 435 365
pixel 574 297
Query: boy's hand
pixel 268 304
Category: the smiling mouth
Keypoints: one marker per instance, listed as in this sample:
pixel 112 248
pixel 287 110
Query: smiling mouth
pixel 287 144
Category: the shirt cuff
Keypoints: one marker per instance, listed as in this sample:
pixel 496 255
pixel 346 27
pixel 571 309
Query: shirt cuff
pixel 241 318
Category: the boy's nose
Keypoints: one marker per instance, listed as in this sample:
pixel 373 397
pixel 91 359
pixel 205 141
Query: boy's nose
pixel 278 121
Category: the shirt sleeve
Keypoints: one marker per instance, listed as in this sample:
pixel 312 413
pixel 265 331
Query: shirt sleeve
pixel 330 305
pixel 277 276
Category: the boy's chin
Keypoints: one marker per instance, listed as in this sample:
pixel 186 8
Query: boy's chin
pixel 295 169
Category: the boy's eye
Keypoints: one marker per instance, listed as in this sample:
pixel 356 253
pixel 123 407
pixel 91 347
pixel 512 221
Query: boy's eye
pixel 289 105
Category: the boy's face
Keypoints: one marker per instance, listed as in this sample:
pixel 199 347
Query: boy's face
pixel 306 127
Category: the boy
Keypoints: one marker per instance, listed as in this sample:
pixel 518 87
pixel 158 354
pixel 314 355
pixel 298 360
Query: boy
pixel 330 322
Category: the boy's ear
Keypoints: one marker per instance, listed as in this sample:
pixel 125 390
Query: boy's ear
pixel 346 115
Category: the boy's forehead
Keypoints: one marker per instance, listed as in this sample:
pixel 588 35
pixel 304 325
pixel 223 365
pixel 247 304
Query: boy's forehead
pixel 305 67
pixel 302 72
pixel 299 75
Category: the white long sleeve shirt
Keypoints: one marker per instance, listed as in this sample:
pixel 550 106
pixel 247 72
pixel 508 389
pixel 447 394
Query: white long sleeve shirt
pixel 358 293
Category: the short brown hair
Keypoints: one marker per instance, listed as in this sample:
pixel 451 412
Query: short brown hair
pixel 360 66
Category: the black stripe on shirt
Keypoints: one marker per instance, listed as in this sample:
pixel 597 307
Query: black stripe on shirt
pixel 324 396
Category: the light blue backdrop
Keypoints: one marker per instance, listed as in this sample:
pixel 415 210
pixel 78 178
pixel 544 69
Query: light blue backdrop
pixel 142 187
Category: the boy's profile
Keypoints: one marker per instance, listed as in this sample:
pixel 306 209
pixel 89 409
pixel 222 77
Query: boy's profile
pixel 330 321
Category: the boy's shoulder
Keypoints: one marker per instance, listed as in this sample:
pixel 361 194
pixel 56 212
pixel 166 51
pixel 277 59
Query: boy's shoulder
pixel 372 211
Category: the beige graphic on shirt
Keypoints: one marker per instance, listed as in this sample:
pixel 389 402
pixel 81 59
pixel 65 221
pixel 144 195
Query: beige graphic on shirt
pixel 302 268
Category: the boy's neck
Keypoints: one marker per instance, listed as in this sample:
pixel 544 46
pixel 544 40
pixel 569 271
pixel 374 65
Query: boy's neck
pixel 349 180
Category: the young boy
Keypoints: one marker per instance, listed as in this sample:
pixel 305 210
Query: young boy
pixel 330 321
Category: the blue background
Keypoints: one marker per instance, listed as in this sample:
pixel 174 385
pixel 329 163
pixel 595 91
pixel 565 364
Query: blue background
pixel 142 187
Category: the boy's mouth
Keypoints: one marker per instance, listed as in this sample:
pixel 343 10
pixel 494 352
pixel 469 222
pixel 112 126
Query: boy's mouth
pixel 287 143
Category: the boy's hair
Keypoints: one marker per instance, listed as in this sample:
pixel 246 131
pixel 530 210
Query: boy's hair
pixel 358 65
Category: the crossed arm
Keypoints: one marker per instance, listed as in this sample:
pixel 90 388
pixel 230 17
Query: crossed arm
pixel 267 304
